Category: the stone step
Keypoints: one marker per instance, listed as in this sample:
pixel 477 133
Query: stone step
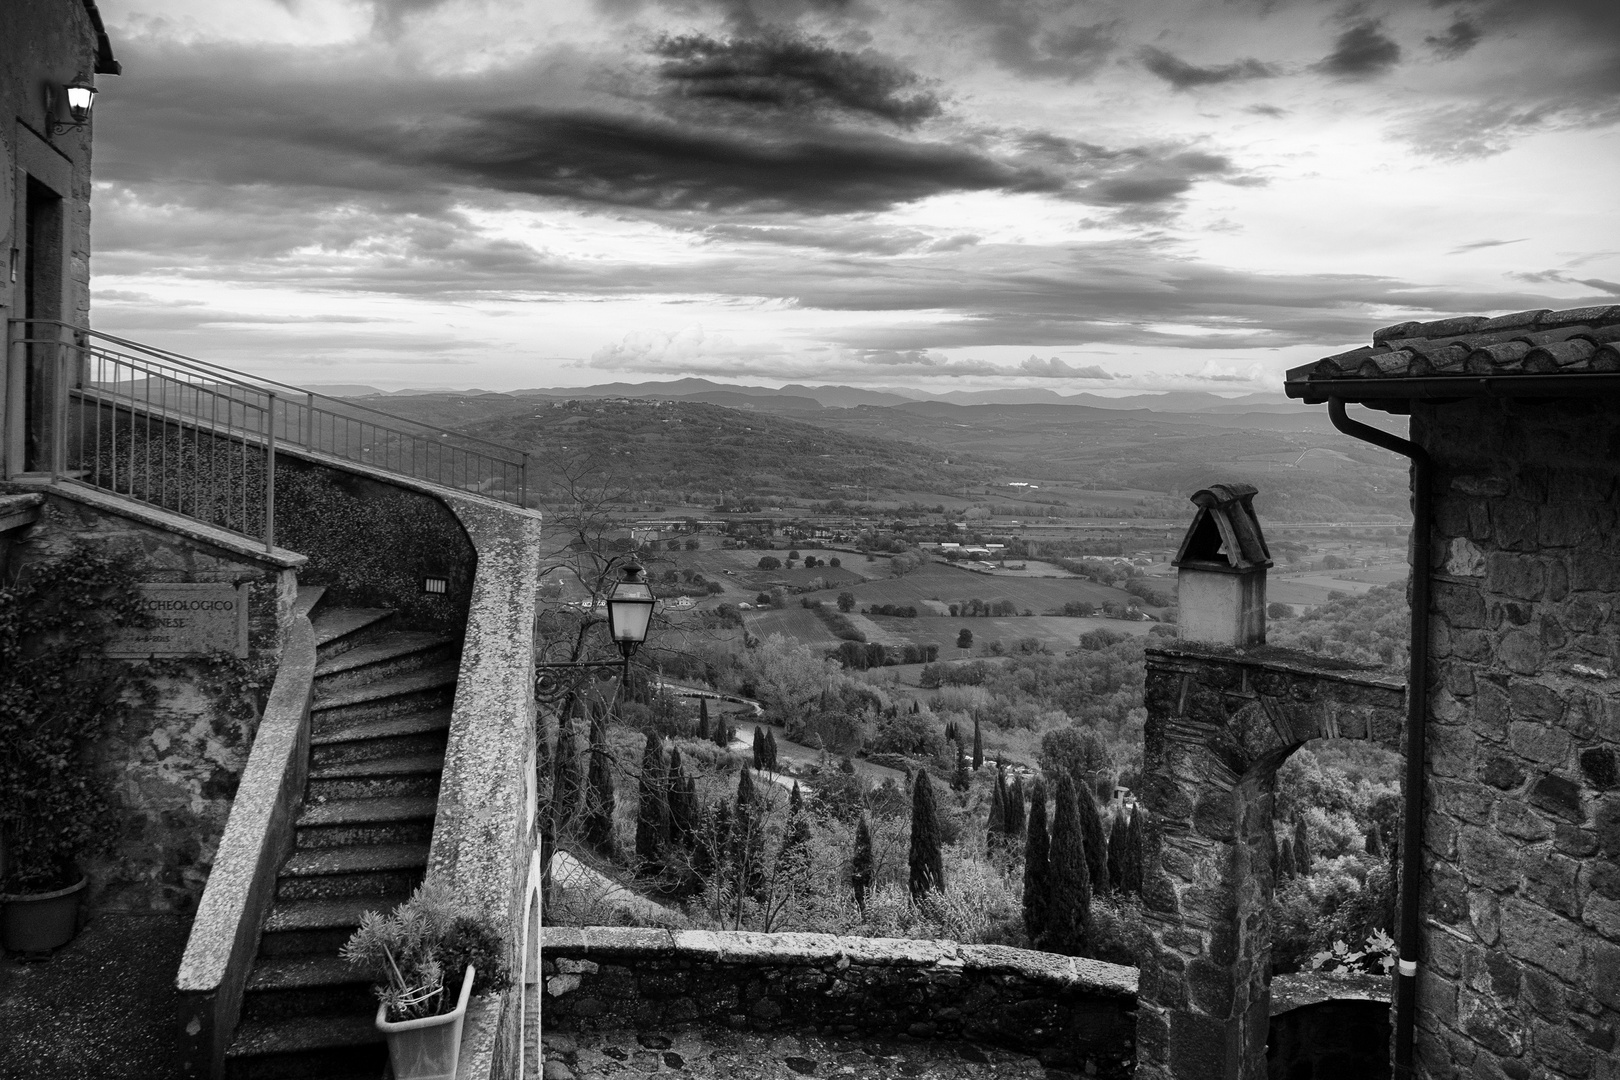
pixel 308 1046
pixel 396 775
pixel 392 654
pixel 339 629
pixel 333 730
pixel 374 870
pixel 323 926
pixel 344 822
pixel 308 598
pixel 308 984
pixel 431 741
pixel 432 688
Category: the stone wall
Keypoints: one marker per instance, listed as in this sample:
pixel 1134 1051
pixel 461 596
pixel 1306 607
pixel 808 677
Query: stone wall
pixel 1071 1013
pixel 371 541
pixel 173 765
pixel 1220 722
pixel 1520 968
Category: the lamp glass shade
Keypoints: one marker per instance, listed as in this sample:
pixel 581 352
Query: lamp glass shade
pixel 630 607
pixel 80 96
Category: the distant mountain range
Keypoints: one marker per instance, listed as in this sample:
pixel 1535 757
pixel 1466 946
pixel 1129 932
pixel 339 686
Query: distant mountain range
pixel 796 398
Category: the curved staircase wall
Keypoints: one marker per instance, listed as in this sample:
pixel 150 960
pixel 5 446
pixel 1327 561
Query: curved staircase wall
pixel 371 541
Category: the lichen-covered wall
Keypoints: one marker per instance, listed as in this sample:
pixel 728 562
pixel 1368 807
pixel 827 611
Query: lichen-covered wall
pixel 371 543
pixel 45 41
pixel 1071 1013
pixel 1220 722
pixel 1520 967
pixel 172 766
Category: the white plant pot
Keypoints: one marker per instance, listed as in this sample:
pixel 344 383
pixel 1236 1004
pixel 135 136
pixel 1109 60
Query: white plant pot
pixel 426 1049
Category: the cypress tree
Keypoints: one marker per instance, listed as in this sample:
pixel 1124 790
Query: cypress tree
pixel 1119 843
pixel 1285 859
pixel 600 800
pixel 1096 841
pixel 681 812
pixel 1068 914
pixel 978 747
pixel 927 863
pixel 759 747
pixel 1302 847
pixel 703 719
pixel 996 827
pixel 1136 851
pixel 861 866
pixel 722 738
pixel 566 781
pixel 652 812
pixel 1015 808
pixel 798 828
pixel 961 779
pixel 770 751
pixel 748 837
pixel 1037 883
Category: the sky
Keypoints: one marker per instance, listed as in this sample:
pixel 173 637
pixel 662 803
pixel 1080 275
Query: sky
pixel 1108 196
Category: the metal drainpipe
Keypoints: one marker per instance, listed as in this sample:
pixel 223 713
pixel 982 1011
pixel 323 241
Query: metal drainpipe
pixel 1416 724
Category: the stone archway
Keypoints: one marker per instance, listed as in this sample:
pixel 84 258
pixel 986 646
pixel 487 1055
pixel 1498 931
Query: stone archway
pixel 1220 722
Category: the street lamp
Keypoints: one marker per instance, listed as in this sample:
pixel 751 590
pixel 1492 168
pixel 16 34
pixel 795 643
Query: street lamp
pixel 630 604
pixel 79 95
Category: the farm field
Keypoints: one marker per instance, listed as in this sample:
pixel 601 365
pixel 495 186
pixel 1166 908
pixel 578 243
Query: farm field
pixel 1057 632
pixel 793 621
pixel 951 584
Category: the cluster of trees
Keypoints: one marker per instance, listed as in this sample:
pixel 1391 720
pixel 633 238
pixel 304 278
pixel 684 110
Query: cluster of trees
pixel 1081 855
pixel 976 608
pixel 903 612
pixel 765 749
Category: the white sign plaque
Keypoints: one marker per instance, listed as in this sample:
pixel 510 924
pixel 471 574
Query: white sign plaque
pixel 189 620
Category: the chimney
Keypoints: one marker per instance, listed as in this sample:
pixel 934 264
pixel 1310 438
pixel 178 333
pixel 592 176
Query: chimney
pixel 1221 569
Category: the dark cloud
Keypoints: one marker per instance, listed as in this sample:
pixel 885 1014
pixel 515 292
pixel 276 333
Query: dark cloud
pixel 1184 76
pixel 651 162
pixel 855 238
pixel 1558 277
pixel 786 73
pixel 1021 39
pixel 1273 111
pixel 1478 244
pixel 1361 52
pixel 1459 37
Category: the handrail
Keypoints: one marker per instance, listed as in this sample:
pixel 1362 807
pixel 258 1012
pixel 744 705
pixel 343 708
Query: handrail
pixel 249 381
pixel 202 440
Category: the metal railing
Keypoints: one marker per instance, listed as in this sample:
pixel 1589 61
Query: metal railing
pixel 201 440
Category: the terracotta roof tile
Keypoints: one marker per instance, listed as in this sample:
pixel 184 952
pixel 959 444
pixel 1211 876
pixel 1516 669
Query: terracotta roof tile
pixel 1537 342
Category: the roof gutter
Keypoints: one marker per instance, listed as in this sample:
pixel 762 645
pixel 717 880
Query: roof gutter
pixel 1416 724
pixel 1450 387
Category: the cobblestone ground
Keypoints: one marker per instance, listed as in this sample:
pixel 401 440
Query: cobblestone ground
pixel 706 1052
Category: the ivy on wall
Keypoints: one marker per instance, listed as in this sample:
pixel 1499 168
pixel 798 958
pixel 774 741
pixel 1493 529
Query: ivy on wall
pixel 371 544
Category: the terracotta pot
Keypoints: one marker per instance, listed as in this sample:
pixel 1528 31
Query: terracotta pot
pixel 426 1049
pixel 40 922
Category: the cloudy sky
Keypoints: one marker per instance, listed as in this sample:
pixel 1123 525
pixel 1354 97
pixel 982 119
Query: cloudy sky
pixel 1113 195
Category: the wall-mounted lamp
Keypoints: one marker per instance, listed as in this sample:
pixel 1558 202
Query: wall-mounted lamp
pixel 80 94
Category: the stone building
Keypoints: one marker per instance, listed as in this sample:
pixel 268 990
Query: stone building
pixel 1515 443
pixel 48 46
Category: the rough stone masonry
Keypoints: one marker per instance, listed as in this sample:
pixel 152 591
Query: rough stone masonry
pixel 1520 969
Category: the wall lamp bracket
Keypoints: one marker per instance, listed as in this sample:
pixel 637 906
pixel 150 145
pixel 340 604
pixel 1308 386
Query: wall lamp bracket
pixel 79 95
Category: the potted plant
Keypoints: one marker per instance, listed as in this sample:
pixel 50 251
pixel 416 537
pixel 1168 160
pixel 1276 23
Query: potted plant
pixel 429 956
pixel 57 693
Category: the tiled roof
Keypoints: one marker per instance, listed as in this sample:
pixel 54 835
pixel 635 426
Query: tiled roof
pixel 1473 346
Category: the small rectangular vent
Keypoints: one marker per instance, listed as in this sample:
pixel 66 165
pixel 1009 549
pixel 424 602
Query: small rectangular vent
pixel 435 585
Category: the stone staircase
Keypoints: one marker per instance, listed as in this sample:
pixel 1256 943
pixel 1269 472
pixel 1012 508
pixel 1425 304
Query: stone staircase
pixel 377 740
